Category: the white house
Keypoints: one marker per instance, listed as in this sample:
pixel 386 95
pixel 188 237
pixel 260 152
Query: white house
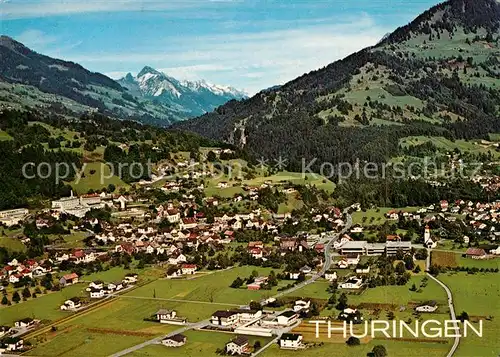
pixel 430 306
pixel 352 283
pixel 302 305
pixel 188 269
pixel 290 341
pixel 164 316
pixel 71 304
pixel 287 318
pixel 97 293
pixel 174 341
pixel 331 276
pixel 224 318
pixel 26 322
pixel 238 346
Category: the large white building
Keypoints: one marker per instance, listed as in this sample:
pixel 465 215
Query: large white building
pixel 77 206
pixel 12 217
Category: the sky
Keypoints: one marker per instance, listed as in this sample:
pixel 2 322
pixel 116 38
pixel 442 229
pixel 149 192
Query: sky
pixel 248 44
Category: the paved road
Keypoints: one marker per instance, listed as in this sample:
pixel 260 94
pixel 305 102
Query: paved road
pixel 452 313
pixel 158 339
pixel 328 259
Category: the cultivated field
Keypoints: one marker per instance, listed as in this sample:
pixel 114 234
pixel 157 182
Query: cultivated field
pixel 199 343
pixel 477 295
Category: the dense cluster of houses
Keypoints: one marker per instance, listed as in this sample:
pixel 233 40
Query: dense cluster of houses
pixel 14 271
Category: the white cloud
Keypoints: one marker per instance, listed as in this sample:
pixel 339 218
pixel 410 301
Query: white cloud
pixel 16 9
pixel 35 37
pixel 253 61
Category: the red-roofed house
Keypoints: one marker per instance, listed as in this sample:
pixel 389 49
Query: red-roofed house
pixel 188 269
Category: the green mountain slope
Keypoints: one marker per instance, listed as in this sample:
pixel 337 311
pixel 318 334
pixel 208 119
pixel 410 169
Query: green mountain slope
pixel 31 80
pixel 439 75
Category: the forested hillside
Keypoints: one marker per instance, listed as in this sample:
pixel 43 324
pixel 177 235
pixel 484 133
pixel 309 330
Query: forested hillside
pixel 46 140
pixel 439 75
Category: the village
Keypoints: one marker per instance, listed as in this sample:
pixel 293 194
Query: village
pixel 173 235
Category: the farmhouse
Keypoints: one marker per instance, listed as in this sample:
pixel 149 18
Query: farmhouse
pixel 224 318
pixel 331 276
pixel 290 341
pixel 352 283
pixel 430 306
pixel 97 293
pixel 238 346
pixel 188 269
pixel 302 305
pixel 69 279
pixel 71 304
pixel 174 341
pixel 26 322
pixel 287 318
pixel 475 253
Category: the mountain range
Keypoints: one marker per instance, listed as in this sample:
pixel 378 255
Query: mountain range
pixel 193 98
pixel 438 75
pixel 32 80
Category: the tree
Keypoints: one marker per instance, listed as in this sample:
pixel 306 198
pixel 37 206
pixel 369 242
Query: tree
pixel 463 316
pixel 5 301
pixel 353 341
pixel 400 268
pixel 26 293
pixel 342 302
pixel 237 283
pixel 211 156
pixel 379 351
pixel 111 188
pixel 255 305
pixel 15 297
pixel 413 288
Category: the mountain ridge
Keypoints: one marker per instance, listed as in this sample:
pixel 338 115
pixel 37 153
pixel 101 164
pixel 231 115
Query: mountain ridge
pixel 32 80
pixel 438 74
pixel 196 97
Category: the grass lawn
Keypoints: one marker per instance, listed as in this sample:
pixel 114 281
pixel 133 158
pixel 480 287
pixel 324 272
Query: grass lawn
pixel 12 244
pixel 4 136
pixel 394 349
pixel 397 295
pixel 378 214
pixel 294 177
pixel 123 318
pixel 401 295
pixel 44 307
pixel 212 288
pixel 76 341
pixel 446 144
pixel 199 343
pixel 73 240
pixel 93 172
pixel 477 295
pixel 476 263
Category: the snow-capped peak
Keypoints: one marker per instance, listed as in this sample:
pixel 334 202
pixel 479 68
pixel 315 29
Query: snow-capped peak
pixel 197 97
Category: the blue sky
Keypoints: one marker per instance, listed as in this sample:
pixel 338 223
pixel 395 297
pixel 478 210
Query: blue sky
pixel 248 44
